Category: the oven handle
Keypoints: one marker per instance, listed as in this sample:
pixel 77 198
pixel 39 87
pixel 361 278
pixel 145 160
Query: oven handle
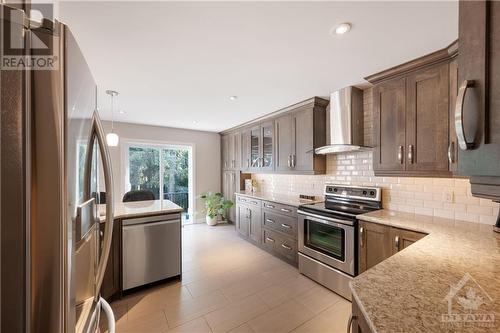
pixel 326 220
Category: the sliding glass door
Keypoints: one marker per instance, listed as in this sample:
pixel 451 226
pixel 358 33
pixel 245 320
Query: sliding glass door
pixel 165 170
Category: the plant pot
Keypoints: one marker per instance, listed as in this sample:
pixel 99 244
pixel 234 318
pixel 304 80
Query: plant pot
pixel 211 221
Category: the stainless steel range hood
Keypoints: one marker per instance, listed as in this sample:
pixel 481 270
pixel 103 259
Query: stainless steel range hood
pixel 345 123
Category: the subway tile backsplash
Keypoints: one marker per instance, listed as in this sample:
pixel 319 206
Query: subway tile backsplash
pixel 442 197
pixel 426 196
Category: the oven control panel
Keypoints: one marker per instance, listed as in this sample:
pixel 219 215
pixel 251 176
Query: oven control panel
pixel 370 193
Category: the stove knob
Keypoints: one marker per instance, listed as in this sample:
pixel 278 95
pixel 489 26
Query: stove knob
pixel 335 189
pixel 365 193
pixel 372 193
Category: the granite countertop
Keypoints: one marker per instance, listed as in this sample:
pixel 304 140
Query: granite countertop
pixel 407 292
pixel 141 208
pixel 285 199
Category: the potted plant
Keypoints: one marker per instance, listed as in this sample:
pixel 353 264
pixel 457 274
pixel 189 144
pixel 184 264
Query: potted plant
pixel 216 206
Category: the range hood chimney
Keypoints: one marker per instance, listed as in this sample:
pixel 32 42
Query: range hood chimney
pixel 344 122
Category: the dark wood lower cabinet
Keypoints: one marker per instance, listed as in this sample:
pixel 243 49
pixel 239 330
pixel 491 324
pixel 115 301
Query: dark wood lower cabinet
pixel 111 284
pixel 269 225
pixel 374 244
pixel 378 242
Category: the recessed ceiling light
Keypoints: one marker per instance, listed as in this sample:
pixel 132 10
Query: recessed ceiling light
pixel 121 112
pixel 233 98
pixel 195 122
pixel 342 28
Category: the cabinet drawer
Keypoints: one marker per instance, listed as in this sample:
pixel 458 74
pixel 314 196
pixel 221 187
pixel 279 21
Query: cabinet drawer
pixel 283 223
pixel 269 239
pixel 287 247
pixel 280 208
pixel 249 201
pixel 280 244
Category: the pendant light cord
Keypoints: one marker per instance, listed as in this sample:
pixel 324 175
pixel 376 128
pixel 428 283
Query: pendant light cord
pixel 112 113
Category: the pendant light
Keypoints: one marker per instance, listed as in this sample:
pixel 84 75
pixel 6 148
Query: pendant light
pixel 112 138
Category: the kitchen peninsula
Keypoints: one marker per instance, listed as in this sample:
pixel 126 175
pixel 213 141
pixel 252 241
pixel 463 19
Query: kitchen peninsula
pixel 412 290
pixel 141 226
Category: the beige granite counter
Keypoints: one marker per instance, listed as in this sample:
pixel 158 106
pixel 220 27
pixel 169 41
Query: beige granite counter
pixel 141 208
pixel 291 200
pixel 408 291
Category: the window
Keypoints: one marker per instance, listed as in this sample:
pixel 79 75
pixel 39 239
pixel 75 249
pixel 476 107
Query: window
pixel 165 170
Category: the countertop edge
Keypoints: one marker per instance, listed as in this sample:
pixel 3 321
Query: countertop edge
pixel 362 309
pixel 145 214
pixel 260 196
pixel 381 221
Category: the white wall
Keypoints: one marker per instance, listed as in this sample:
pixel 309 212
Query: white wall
pixel 206 156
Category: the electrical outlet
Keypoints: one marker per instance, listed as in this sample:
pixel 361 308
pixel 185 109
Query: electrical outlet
pixel 448 196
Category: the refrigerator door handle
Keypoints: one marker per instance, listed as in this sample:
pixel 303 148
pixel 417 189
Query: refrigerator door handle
pixel 97 132
pixel 110 316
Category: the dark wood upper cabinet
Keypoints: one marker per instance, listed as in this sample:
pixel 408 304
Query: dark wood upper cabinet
pixel 281 142
pixel 303 157
pixel 427 120
pixel 236 147
pixel 225 152
pixel 479 65
pixel 389 125
pixel 231 146
pixel 267 146
pixel 255 143
pixel 298 133
pixel 285 137
pixel 411 117
pixel 245 149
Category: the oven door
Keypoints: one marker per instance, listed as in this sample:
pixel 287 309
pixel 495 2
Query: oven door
pixel 328 240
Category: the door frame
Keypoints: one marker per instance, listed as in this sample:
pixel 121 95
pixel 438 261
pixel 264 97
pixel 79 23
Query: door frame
pixel 191 147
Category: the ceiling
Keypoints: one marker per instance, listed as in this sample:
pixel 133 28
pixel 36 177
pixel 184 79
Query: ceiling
pixel 176 63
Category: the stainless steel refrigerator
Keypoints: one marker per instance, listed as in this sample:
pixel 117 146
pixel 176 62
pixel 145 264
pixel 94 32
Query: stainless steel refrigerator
pixel 53 150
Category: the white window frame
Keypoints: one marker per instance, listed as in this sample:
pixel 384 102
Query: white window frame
pixel 127 143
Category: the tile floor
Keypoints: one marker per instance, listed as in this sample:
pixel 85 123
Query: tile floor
pixel 229 285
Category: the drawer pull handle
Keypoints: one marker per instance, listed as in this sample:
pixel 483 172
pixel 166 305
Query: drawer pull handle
pixel 286 210
pixel 270 221
pixel 270 239
pixel 285 226
pixel 286 247
pixel 269 206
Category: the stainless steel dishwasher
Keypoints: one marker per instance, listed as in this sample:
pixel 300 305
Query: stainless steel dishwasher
pixel 151 249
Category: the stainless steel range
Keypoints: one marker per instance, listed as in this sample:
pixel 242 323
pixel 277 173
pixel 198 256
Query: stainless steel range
pixel 328 235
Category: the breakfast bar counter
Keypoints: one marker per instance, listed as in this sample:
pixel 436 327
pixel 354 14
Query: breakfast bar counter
pixel 439 283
